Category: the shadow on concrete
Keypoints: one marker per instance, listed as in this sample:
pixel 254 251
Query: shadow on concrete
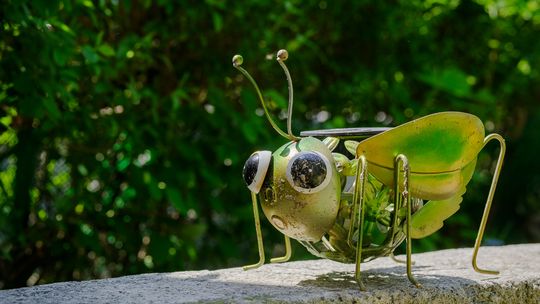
pixel 388 278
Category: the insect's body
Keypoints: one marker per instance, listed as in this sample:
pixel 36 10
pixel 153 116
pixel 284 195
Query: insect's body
pixel 356 208
pixel 378 240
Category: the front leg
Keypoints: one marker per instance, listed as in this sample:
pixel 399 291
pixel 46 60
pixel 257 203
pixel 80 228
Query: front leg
pixel 258 232
pixel 288 252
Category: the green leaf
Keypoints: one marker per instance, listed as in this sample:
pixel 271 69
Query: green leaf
pixel 60 56
pixel 106 50
pixel 52 109
pixel 484 95
pixel 218 22
pixel 451 80
pixel 174 196
pixel 90 54
pixel 64 27
pixel 177 96
pixel 249 132
pixel 123 164
pixel 88 3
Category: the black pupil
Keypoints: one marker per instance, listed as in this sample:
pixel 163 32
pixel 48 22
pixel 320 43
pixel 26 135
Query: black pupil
pixel 308 171
pixel 250 168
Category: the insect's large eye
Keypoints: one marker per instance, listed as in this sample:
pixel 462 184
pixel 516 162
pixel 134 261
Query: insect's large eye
pixel 309 172
pixel 255 170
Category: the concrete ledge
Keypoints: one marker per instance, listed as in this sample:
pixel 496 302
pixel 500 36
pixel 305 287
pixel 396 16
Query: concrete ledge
pixel 446 276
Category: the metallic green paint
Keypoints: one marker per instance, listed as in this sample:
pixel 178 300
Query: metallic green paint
pixel 438 146
pixel 302 216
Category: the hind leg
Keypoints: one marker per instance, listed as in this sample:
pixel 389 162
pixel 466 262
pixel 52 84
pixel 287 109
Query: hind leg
pixel 485 216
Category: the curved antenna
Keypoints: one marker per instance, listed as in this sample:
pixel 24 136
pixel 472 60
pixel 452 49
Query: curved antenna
pixel 282 55
pixel 237 62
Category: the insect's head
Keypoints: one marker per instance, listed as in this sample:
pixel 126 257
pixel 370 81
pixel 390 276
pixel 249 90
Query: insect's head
pixel 298 184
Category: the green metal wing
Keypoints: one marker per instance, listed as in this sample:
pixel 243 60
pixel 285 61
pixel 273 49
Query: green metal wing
pixel 431 216
pixel 441 149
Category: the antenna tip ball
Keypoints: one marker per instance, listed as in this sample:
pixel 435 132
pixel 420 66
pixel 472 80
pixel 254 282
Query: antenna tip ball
pixel 282 55
pixel 237 60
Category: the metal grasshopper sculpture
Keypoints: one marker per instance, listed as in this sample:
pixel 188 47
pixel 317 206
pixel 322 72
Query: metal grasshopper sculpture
pixel 355 210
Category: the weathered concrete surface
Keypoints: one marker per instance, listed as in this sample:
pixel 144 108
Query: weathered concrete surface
pixel 446 276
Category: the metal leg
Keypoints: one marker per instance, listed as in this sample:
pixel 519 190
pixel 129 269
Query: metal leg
pixel 258 232
pixel 358 201
pixel 393 257
pixel 406 196
pixel 397 202
pixel 355 205
pixel 287 255
pixel 485 216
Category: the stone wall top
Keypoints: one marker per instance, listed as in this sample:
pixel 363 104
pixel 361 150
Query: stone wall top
pixel 447 277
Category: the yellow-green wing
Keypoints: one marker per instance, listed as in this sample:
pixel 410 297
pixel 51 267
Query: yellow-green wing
pixel 431 216
pixel 438 147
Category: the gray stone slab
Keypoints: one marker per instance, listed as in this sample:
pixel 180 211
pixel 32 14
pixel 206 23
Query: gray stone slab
pixel 447 277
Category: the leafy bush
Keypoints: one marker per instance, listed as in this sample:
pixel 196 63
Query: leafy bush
pixel 125 127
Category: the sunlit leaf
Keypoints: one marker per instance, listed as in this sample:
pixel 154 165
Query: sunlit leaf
pixel 451 80
pixel 106 50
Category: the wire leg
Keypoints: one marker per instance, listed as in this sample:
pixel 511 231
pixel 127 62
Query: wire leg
pixel 406 196
pixel 258 232
pixel 393 257
pixel 409 241
pixel 397 203
pixel 287 255
pixel 358 201
pixel 485 215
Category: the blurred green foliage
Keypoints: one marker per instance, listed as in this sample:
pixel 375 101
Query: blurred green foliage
pixel 124 127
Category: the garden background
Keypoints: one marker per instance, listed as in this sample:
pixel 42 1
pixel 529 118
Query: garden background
pixel 124 126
